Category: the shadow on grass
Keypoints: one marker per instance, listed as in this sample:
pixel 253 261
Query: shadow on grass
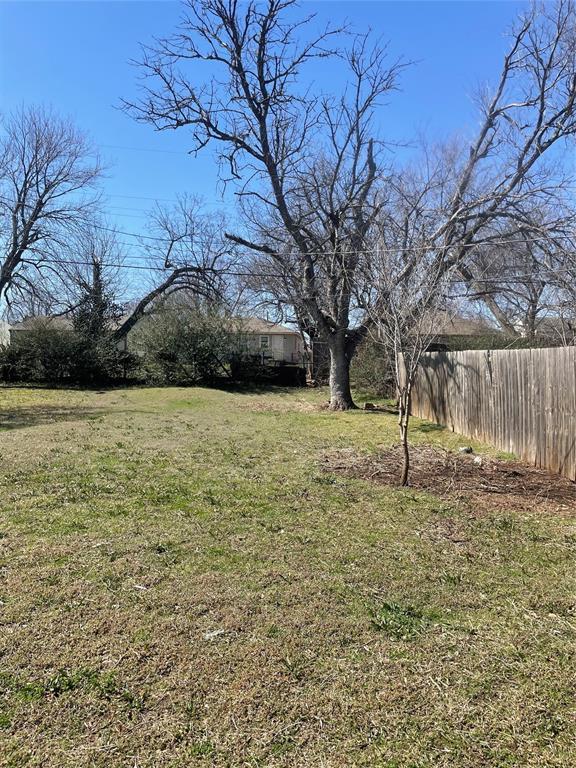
pixel 19 418
pixel 428 427
pixel 257 389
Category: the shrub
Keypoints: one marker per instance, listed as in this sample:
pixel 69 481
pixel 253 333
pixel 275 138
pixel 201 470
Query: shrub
pixel 46 355
pixel 183 344
pixel 371 370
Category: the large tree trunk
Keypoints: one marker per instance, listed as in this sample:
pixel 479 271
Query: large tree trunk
pixel 340 357
pixel 531 319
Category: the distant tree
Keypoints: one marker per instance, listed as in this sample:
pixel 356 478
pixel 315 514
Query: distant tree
pixel 464 198
pixel 92 281
pixel 307 164
pixel 48 174
pixel 87 289
pixel 562 263
pixel 96 312
pixel 187 252
pixel 372 370
pixel 518 281
pixel 309 171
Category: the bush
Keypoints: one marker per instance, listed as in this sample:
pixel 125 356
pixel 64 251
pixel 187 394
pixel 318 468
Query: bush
pixel 45 355
pixel 371 371
pixel 183 344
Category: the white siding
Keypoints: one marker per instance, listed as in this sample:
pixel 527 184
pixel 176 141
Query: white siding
pixel 281 347
pixel 4 333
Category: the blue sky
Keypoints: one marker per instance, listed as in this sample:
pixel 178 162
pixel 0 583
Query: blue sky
pixel 77 55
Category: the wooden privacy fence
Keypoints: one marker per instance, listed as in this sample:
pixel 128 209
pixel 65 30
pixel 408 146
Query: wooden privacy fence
pixel 522 401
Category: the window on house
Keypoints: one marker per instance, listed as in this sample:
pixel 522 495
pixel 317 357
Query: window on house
pixel 264 342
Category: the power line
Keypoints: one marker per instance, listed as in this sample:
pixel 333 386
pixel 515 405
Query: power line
pixel 131 234
pixel 235 273
pixel 391 251
pixel 149 268
pixel 141 216
pixel 357 251
pixel 162 199
pixel 123 265
pixel 146 149
pixel 144 197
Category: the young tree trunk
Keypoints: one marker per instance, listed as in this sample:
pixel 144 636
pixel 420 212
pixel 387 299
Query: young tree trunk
pixel 340 394
pixel 403 419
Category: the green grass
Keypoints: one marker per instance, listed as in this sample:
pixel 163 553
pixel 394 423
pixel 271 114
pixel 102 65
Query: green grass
pixel 401 622
pixel 182 584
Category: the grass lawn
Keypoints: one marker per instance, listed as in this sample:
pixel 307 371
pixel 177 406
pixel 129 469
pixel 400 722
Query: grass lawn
pixel 184 584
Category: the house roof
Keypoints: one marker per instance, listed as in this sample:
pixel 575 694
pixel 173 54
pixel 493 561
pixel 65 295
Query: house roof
pixel 63 323
pixel 459 325
pixel 56 322
pixel 35 322
pixel 257 325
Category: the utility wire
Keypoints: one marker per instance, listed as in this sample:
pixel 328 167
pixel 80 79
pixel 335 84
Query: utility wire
pixel 175 201
pixel 376 250
pixel 236 273
pixel 147 149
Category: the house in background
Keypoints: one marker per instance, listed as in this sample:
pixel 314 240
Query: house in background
pixel 452 332
pixel 265 342
pixel 38 323
pixel 455 332
pixel 458 332
pixel 52 323
pixel 274 344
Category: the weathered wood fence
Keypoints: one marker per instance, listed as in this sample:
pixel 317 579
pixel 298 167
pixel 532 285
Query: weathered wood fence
pixel 522 401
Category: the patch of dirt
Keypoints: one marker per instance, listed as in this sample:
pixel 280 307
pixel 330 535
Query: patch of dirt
pixel 277 405
pixel 493 483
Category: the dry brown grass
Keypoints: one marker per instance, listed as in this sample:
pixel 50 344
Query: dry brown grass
pixel 184 584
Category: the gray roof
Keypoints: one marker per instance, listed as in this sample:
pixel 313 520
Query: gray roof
pixel 63 323
pixel 257 325
pixel 60 323
pixel 447 324
pixel 55 322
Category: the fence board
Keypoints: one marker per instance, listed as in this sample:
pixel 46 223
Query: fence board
pixel 522 401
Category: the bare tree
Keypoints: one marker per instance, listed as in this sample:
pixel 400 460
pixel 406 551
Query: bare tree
pixel 405 291
pixel 91 257
pixel 307 164
pixel 458 204
pixel 461 202
pixel 90 262
pixel 516 162
pixel 48 173
pixel 406 323
pixel 187 252
pixel 515 280
pixel 561 261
